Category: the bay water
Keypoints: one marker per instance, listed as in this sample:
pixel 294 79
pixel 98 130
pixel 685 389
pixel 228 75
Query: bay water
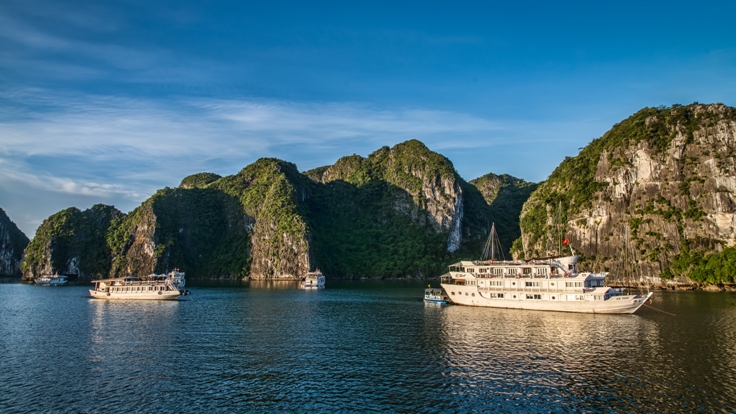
pixel 357 346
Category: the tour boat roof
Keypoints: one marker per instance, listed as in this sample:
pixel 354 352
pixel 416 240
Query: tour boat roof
pixel 118 279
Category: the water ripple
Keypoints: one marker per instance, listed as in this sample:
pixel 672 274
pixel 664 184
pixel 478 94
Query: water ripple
pixel 357 347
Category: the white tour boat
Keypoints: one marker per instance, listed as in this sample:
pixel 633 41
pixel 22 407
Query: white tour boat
pixel 313 280
pixel 51 280
pixel 156 287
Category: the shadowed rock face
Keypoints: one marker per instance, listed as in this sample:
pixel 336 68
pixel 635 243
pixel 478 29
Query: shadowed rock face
pixel 12 244
pixel 505 196
pixel 661 182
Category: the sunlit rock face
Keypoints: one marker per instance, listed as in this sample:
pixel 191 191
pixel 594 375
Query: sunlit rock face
pixel 659 184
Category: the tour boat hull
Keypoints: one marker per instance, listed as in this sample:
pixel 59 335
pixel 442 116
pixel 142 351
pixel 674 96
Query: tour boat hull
pixel 160 295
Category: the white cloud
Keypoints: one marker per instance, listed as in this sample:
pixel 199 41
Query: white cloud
pixel 110 148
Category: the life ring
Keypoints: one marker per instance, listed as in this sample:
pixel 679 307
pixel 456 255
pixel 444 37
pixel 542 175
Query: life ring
pixel 108 293
pixel 160 292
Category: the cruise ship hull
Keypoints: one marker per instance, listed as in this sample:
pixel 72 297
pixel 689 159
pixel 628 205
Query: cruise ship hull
pixel 472 296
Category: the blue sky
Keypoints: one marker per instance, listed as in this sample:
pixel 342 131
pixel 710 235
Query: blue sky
pixel 105 102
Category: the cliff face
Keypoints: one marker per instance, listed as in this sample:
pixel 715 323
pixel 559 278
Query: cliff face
pixel 12 244
pixel 436 196
pixel 72 242
pixel 271 193
pixel 202 231
pixel 402 211
pixel 505 196
pixel 657 189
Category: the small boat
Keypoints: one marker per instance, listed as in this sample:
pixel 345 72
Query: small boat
pixel 436 295
pixel 51 280
pixel 313 280
pixel 155 287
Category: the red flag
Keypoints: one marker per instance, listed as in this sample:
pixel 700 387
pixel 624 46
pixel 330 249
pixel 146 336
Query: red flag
pixel 566 241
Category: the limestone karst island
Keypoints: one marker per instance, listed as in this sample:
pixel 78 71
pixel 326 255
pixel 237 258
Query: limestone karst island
pixel 652 201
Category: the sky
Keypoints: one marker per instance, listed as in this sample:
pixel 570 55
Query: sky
pixel 106 102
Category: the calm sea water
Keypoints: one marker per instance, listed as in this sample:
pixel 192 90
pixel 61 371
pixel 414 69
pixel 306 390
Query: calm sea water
pixel 357 346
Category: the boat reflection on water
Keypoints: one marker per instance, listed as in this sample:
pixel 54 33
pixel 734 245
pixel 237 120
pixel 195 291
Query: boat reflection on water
pixel 273 284
pixel 117 327
pixel 539 357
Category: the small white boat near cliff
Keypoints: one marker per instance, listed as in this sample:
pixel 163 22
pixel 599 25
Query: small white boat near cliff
pixel 155 287
pixel 51 280
pixel 313 280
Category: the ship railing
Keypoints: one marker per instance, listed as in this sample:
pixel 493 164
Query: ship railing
pixel 170 285
pixel 535 289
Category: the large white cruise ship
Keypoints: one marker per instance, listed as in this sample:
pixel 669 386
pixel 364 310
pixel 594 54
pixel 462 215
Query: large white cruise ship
pixel 552 284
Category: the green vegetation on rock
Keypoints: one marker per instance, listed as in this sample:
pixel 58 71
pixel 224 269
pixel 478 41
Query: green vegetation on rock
pixel 652 174
pixel 199 180
pixel 505 196
pixel 72 242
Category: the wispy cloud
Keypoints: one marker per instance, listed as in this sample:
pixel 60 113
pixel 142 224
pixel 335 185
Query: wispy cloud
pixel 112 148
pixel 100 128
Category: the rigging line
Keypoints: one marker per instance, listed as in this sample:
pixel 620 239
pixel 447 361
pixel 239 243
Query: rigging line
pixel 658 310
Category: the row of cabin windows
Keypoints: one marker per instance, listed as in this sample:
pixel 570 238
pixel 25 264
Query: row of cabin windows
pixel 510 271
pixel 539 297
pixel 137 288
pixel 538 284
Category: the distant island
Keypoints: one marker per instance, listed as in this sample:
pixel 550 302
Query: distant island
pixel 651 201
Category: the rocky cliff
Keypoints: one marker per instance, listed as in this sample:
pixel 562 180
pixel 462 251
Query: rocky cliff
pixel 505 196
pixel 200 230
pixel 72 242
pixel 429 179
pixel 402 211
pixel 657 189
pixel 12 244
pixel 271 193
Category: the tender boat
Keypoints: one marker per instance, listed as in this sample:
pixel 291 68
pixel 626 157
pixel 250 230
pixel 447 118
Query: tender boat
pixel 51 280
pixel 435 295
pixel 313 280
pixel 155 287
